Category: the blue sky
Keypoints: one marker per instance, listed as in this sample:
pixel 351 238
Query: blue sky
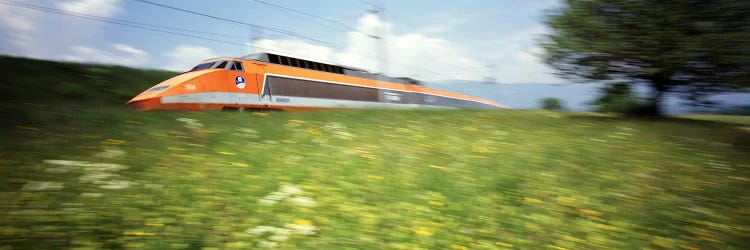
pixel 429 40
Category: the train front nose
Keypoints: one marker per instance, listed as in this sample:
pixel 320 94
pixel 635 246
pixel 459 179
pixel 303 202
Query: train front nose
pixel 151 103
pixel 151 99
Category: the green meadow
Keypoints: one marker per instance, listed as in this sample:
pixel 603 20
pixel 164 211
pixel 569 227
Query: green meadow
pixel 80 170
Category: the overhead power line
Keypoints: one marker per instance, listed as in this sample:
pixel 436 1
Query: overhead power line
pixel 124 23
pixel 281 31
pixel 308 14
pixel 158 28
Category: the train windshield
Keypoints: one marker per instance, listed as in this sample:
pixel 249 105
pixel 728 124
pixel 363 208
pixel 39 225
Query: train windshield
pixel 202 66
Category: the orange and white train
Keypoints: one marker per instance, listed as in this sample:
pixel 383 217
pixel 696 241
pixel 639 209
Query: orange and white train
pixel 273 82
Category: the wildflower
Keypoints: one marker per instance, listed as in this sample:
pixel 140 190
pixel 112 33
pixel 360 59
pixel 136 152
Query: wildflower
pixel 278 237
pixel 303 201
pixel 436 166
pixel 113 142
pixel 137 233
pixel 437 203
pixel 258 230
pixel 303 227
pixel 239 164
pixel 42 186
pixel 532 200
pixel 117 184
pixel 375 177
pixel 226 153
pixel 91 195
pixel 96 177
pixel 290 190
pixel 190 123
pixel 110 153
pixel 589 212
pixel 423 231
pixel 267 244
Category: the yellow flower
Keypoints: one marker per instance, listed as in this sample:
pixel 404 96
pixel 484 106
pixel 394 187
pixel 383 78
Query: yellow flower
pixel 589 212
pixel 113 142
pixel 302 222
pixel 437 203
pixel 137 233
pixel 239 164
pixel 532 200
pixel 375 177
pixel 479 149
pixel 423 231
pixel 226 153
pixel 458 247
pixel 436 166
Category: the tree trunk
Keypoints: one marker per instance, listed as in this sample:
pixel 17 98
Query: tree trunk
pixel 654 105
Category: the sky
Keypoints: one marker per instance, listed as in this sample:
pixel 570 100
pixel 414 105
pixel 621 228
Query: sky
pixel 427 40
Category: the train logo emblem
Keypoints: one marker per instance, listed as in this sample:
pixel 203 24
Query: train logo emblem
pixel 240 82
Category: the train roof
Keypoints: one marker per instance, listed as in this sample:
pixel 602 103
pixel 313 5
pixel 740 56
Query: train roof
pixel 331 68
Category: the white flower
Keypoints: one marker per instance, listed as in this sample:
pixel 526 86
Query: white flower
pixel 117 184
pixel 59 170
pixel 290 190
pixel 267 244
pixel 91 195
pixel 42 186
pixel 267 202
pixel 278 237
pixel 258 230
pixel 96 177
pixel 302 229
pixel 88 166
pixel 303 201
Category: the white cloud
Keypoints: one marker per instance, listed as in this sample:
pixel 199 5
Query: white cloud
pixel 103 8
pixel 120 54
pixel 184 57
pixel 518 58
pixel 127 49
pixel 415 55
pixel 20 29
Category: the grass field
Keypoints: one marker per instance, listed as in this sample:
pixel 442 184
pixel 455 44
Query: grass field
pixel 77 175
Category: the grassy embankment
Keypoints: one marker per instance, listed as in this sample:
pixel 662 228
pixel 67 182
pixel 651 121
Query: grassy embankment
pixel 80 170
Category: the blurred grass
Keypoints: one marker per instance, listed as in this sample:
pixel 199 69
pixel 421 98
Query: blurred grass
pixel 412 179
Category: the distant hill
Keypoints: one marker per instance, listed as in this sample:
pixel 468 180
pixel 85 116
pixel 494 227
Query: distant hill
pixel 575 96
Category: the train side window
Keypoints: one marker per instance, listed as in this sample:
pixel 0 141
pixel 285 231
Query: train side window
pixel 293 62
pixel 284 60
pixel 222 65
pixel 329 68
pixel 237 66
pixel 274 59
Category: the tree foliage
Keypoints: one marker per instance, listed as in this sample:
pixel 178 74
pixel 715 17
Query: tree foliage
pixel 617 98
pixel 550 103
pixel 697 47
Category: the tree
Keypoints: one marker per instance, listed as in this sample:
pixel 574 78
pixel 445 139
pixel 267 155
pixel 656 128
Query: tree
pixel 550 103
pixel 617 98
pixel 696 47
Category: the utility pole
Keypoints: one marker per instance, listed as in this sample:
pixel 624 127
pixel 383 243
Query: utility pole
pixel 381 50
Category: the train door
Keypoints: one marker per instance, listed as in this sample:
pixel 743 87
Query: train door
pixel 264 86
